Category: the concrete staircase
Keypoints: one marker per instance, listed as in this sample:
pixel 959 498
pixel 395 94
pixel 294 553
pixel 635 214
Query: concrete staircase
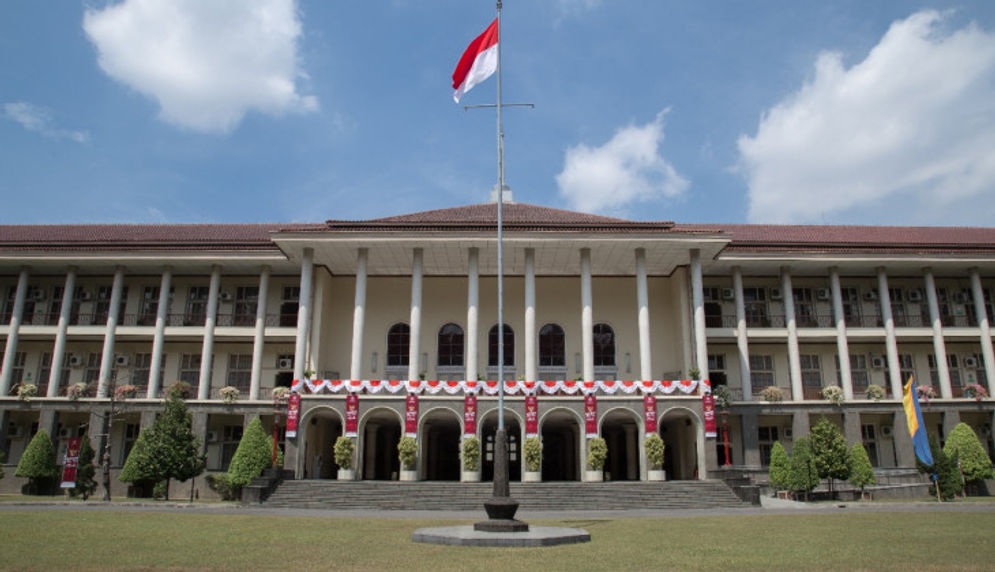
pixel 428 495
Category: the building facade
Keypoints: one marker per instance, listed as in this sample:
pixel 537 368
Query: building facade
pixel 593 306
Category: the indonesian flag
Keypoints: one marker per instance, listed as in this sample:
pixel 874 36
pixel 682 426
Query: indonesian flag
pixel 479 61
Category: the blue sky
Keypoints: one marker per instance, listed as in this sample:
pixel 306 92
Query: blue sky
pixel 272 110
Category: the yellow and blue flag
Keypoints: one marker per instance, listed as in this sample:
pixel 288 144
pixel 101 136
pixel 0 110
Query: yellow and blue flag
pixel 917 429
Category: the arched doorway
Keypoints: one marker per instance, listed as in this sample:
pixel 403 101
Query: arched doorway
pixel 679 431
pixel 381 431
pixel 440 445
pixel 560 432
pixel 620 430
pixel 322 428
pixel 488 430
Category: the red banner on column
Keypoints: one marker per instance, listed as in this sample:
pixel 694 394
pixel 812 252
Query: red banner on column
pixel 470 415
pixel 708 406
pixel 411 416
pixel 591 415
pixel 293 414
pixel 531 415
pixel 71 462
pixel 351 415
pixel 649 409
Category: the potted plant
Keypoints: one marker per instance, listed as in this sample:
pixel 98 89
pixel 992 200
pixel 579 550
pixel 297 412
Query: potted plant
pixel 281 394
pixel 533 460
pixel 229 394
pixel 122 392
pixel 597 454
pixel 833 394
pixel 76 391
pixel 180 389
pixel 772 394
pixel 926 392
pixel 308 373
pixel 407 453
pixel 471 460
pixel 654 457
pixel 975 391
pixel 875 392
pixel 344 452
pixel 25 391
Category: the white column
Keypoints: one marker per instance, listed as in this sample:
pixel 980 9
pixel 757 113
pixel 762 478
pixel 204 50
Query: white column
pixel 842 346
pixel 643 309
pixel 742 340
pixel 304 313
pixel 890 339
pixel 162 314
pixel 472 311
pixel 414 349
pixel 986 335
pixel 107 357
pixel 16 316
pixel 794 361
pixel 530 315
pixel 586 314
pixel 59 351
pixel 698 307
pixel 939 346
pixel 359 316
pixel 259 336
pixel 207 350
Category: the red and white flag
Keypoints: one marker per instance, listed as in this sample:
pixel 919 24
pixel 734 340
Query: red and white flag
pixel 479 61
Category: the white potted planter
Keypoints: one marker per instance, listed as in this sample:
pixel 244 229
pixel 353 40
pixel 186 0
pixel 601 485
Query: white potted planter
pixel 594 475
pixel 532 477
pixel 597 453
pixel 656 475
pixel 409 475
pixel 470 477
pixel 347 475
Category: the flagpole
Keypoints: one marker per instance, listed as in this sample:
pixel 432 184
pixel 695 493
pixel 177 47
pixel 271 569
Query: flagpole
pixel 500 237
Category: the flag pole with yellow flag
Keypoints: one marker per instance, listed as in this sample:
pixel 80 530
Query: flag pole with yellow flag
pixel 917 429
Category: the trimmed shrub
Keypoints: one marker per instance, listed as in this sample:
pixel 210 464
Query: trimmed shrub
pixel 974 461
pixel 139 468
pixel 597 454
pixel 471 454
pixel 343 451
pixel 778 474
pixel 407 452
pixel 654 450
pixel 802 474
pixel 221 484
pixel 253 455
pixel 861 471
pixel 943 470
pixel 533 454
pixel 829 450
pixel 37 464
pixel 85 471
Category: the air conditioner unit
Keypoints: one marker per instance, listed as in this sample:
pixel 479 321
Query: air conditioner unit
pixel 877 362
pixel 823 294
pixel 65 432
pixel 775 294
pixel 285 363
pixel 971 362
pixel 960 310
pixel 122 359
pixel 37 294
pixel 225 296
pixel 75 360
pixel 149 295
pixel 788 432
pixel 728 294
pixel 886 430
pixel 961 298
pixel 870 295
pixel 212 436
pixel 914 295
pixel 85 296
pixel 14 430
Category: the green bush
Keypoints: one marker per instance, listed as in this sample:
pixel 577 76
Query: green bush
pixel 944 469
pixel 407 452
pixel 597 454
pixel 974 461
pixel 140 468
pixel 533 454
pixel 37 464
pixel 221 484
pixel 861 471
pixel 829 450
pixel 654 450
pixel 85 471
pixel 253 455
pixel 779 472
pixel 802 473
pixel 471 453
pixel 343 451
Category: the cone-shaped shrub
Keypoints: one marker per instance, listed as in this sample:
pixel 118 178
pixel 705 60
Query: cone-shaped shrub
pixel 861 471
pixel 85 471
pixel 37 464
pixel 778 474
pixel 254 453
pixel 974 461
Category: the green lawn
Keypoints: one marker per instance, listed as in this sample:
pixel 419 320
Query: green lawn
pixel 50 540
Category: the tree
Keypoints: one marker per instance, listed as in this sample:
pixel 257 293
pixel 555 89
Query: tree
pixel 829 450
pixel 974 461
pixel 254 453
pixel 802 474
pixel 85 471
pixel 943 471
pixel 37 464
pixel 139 468
pixel 861 471
pixel 175 449
pixel 778 475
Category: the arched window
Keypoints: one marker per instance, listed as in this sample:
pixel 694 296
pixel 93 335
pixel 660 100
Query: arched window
pixel 450 345
pixel 552 346
pixel 398 342
pixel 492 346
pixel 604 346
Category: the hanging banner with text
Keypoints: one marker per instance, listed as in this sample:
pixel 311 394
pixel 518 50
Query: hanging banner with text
pixel 71 462
pixel 708 407
pixel 470 415
pixel 649 409
pixel 411 415
pixel 293 414
pixel 351 415
pixel 591 415
pixel 531 415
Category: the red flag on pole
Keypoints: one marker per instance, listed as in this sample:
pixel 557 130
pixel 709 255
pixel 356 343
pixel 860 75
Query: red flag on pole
pixel 479 61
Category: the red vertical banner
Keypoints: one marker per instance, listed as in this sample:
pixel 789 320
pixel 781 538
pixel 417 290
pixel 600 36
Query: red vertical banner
pixel 531 415
pixel 293 414
pixel 351 415
pixel 470 415
pixel 411 416
pixel 591 415
pixel 708 407
pixel 649 409
pixel 71 463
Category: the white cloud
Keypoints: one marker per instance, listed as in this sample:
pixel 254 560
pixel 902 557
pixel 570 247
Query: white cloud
pixel 906 135
pixel 625 170
pixel 39 120
pixel 206 62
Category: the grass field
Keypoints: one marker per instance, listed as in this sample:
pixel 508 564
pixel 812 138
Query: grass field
pixel 59 540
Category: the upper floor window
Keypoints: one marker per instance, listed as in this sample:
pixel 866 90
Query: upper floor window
pixel 761 372
pixel 398 344
pixel 450 345
pixel 552 346
pixel 755 306
pixel 509 346
pixel 604 346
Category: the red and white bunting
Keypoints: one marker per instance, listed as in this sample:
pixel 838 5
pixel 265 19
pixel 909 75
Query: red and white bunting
pixel 561 387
